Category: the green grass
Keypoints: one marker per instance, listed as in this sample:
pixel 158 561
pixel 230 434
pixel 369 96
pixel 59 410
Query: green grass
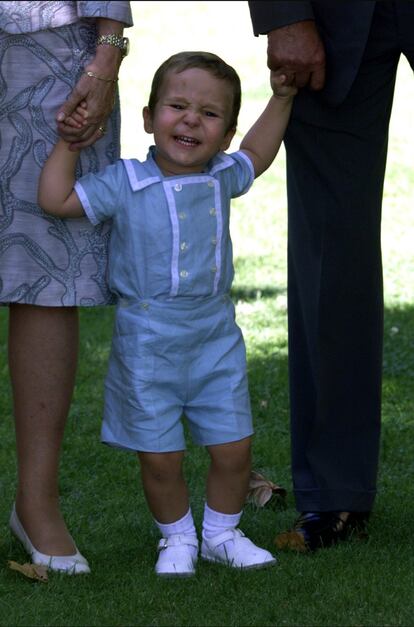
pixel 359 583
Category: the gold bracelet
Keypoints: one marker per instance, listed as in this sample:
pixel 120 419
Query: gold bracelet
pixel 101 78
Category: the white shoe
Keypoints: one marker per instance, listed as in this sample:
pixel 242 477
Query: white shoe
pixel 70 564
pixel 231 547
pixel 177 555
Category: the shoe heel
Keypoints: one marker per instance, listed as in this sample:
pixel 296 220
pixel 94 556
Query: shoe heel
pixel 75 564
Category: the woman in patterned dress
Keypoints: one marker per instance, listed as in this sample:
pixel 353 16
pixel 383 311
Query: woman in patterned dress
pixel 53 55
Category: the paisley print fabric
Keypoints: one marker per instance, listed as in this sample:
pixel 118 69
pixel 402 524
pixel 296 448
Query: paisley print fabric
pixel 45 260
pixel 28 17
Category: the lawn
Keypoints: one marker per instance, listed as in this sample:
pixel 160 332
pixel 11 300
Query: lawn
pixel 365 583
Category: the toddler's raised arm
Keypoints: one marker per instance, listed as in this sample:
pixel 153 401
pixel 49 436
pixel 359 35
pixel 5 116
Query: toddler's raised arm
pixel 262 142
pixel 55 193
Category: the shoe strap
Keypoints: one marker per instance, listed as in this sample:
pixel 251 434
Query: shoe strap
pixel 229 534
pixel 178 539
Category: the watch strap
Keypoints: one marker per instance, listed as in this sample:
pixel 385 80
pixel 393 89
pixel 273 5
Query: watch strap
pixel 113 40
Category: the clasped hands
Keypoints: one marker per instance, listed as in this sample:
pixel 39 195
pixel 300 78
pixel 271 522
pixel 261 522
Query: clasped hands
pixel 81 119
pixel 296 58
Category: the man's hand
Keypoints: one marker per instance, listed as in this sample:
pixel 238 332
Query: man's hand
pixel 297 51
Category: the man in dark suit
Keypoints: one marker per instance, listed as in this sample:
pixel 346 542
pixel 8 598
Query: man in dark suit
pixel 344 56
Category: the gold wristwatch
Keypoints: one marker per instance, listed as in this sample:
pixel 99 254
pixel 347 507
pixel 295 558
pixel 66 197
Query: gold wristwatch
pixel 115 40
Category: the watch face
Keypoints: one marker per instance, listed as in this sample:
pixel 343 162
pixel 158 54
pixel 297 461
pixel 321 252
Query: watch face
pixel 126 46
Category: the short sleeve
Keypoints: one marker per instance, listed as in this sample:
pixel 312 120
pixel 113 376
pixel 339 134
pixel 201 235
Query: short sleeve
pixel 119 11
pixel 240 175
pixel 102 193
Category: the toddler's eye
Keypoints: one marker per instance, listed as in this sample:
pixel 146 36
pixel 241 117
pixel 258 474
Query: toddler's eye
pixel 177 106
pixel 211 114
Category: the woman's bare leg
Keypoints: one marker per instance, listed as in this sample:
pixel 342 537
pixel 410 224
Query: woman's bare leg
pixel 43 353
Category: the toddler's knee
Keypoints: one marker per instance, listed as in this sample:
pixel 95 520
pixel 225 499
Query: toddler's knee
pixel 161 467
pixel 233 457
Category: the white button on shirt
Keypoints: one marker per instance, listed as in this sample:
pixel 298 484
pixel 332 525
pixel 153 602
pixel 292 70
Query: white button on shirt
pixel 155 227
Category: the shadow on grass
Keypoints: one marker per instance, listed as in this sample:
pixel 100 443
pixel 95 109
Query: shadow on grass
pixel 249 294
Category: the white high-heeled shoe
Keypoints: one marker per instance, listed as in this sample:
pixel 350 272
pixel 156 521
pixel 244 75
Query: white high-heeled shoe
pixel 70 564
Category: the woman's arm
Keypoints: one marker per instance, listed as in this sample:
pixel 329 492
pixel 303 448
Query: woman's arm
pixel 55 193
pixel 98 93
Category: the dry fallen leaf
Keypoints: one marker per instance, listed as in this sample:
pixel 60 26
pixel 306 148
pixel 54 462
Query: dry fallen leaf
pixel 31 571
pixel 262 491
pixel 291 540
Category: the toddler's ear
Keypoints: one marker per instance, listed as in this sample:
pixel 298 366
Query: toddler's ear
pixel 227 139
pixel 146 114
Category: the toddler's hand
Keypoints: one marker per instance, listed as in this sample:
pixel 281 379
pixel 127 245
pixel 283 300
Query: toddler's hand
pixel 78 118
pixel 280 86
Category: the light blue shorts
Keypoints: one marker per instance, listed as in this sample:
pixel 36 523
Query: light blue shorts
pixel 171 360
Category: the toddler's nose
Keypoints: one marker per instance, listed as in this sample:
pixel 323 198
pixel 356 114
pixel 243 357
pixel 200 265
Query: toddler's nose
pixel 192 118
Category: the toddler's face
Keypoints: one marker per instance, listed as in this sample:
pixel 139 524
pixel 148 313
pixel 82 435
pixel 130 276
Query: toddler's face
pixel 190 121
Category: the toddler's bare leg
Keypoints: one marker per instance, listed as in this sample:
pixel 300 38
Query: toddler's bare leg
pixel 167 497
pixel 227 486
pixel 164 486
pixel 228 477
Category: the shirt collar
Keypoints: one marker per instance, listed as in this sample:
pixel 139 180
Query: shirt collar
pixel 143 174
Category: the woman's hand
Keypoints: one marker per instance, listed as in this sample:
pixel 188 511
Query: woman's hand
pixel 98 99
pixel 96 89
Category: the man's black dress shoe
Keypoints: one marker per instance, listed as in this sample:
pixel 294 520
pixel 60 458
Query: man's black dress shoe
pixel 315 530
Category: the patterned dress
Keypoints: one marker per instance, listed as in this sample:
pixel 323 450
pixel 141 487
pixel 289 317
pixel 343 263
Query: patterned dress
pixel 44 47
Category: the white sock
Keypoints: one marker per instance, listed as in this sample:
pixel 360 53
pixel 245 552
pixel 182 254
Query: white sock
pixel 181 526
pixel 217 522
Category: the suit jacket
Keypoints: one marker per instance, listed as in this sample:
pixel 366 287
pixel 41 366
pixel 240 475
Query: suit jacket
pixel 343 26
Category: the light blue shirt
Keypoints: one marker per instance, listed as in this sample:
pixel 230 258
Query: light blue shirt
pixel 170 236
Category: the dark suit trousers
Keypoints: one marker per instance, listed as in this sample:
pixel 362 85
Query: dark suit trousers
pixel 335 170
